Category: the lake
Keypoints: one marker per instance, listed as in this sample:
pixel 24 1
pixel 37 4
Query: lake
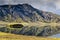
pixel 55 36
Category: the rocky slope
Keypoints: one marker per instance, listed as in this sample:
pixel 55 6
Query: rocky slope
pixel 25 13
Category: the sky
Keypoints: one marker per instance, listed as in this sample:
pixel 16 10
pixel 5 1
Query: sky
pixel 45 5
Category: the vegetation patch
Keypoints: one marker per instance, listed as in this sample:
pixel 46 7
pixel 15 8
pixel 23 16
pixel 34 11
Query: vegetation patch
pixel 16 26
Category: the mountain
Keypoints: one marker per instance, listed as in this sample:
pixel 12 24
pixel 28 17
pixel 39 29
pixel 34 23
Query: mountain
pixel 26 13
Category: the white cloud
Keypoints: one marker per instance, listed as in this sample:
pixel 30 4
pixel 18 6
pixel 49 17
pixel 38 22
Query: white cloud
pixel 57 4
pixel 48 5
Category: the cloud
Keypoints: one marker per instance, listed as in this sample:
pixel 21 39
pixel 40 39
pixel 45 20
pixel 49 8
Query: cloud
pixel 2 1
pixel 57 3
pixel 48 5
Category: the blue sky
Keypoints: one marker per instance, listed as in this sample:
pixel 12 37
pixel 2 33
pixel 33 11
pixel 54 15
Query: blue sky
pixel 45 5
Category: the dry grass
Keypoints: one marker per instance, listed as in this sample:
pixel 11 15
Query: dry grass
pixel 8 36
pixel 31 24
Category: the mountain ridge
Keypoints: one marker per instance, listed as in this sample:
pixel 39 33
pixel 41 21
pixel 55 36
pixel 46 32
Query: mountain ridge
pixel 25 13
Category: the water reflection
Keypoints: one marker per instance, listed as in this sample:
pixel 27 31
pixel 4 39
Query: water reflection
pixel 42 31
pixel 55 36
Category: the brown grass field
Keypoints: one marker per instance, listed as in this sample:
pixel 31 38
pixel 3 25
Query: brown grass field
pixel 8 36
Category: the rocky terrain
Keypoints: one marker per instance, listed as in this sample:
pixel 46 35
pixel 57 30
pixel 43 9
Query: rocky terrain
pixel 26 13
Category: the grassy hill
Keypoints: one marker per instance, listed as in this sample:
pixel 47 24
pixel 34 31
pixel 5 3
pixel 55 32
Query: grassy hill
pixel 8 36
pixel 36 23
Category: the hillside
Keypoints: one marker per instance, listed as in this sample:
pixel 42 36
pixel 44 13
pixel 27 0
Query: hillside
pixel 26 13
pixel 35 22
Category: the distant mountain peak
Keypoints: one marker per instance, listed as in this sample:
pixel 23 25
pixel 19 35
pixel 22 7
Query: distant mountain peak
pixel 25 13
